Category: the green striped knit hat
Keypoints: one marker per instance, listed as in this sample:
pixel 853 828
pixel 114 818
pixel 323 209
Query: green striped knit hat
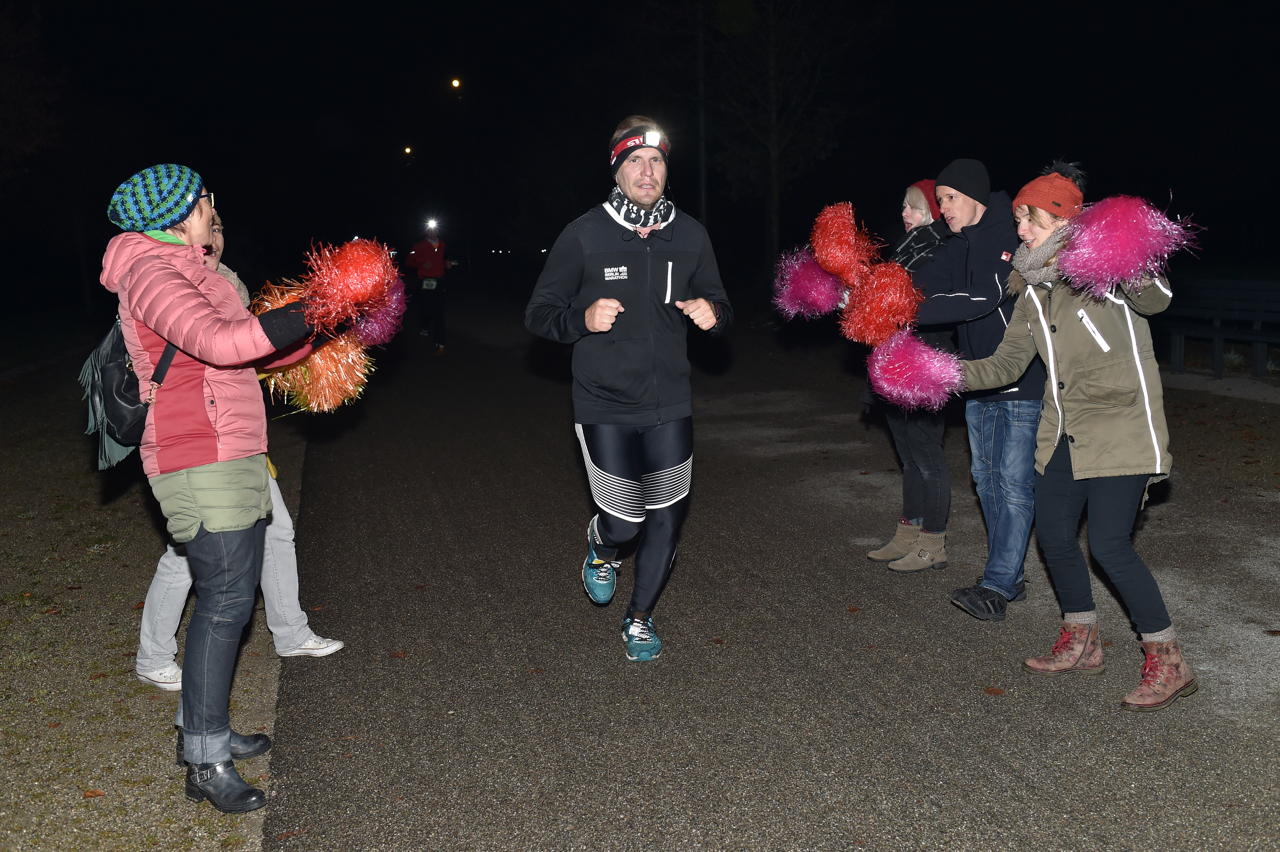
pixel 155 198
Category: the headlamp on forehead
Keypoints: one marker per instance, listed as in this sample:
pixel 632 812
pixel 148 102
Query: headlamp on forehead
pixel 639 137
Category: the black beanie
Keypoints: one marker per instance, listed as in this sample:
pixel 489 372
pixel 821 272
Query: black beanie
pixel 969 177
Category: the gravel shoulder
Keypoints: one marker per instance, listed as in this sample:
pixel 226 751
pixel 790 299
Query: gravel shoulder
pixel 86 750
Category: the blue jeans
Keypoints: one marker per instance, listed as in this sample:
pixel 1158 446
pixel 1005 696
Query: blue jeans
pixel 1002 440
pixel 167 597
pixel 227 567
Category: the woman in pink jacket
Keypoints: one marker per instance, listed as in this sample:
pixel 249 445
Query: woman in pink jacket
pixel 204 447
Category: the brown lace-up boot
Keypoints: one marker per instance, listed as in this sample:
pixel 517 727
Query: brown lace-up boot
pixel 1166 677
pixel 904 539
pixel 1078 649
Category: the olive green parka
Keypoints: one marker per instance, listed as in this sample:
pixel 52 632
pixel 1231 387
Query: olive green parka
pixel 1104 395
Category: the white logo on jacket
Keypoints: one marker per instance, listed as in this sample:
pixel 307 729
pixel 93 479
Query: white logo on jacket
pixel 615 273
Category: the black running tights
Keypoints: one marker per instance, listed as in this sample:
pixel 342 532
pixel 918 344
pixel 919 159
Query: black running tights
pixel 640 478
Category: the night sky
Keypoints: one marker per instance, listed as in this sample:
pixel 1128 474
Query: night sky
pixel 298 122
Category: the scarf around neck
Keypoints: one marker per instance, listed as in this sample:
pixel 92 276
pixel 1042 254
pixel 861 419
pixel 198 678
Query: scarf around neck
pixel 1039 265
pixel 629 215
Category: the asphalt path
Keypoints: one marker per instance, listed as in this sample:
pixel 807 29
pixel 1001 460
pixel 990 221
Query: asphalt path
pixel 805 698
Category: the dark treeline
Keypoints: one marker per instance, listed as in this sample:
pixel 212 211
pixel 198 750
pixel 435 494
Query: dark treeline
pixel 300 123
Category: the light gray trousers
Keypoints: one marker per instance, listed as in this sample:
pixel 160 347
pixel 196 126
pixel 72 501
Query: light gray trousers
pixel 167 597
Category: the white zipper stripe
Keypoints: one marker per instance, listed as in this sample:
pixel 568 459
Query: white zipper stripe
pixel 1051 362
pixel 1093 329
pixel 1142 380
pixel 668 299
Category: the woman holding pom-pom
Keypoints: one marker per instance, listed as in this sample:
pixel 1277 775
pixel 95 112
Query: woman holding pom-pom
pixel 167 595
pixel 1102 437
pixel 204 446
pixel 917 434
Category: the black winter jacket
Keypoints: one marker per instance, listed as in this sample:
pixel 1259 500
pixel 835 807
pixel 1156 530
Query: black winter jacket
pixel 915 251
pixel 637 373
pixel 918 246
pixel 964 285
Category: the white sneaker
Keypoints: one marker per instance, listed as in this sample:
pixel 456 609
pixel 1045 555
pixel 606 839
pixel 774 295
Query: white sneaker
pixel 168 677
pixel 316 646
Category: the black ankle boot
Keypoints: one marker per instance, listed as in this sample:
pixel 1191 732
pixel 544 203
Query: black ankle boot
pixel 223 787
pixel 243 746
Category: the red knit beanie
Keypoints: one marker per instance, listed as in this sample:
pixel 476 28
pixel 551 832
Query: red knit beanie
pixel 929 188
pixel 1052 193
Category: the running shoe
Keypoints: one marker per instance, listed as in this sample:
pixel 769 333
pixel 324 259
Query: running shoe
pixel 642 640
pixel 599 576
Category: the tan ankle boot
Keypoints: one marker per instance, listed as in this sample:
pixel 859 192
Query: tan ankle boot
pixel 904 539
pixel 1078 649
pixel 1166 677
pixel 929 551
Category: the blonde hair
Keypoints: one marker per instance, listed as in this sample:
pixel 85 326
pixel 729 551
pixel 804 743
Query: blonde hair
pixel 1043 218
pixel 916 201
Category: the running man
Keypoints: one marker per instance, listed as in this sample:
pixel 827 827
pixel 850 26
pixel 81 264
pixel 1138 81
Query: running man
pixel 618 284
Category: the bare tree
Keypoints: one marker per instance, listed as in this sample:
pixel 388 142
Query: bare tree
pixel 774 69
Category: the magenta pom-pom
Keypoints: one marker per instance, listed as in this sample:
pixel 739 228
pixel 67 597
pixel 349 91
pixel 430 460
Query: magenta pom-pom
pixel 1118 241
pixel 802 288
pixel 886 302
pixel 380 320
pixel 912 374
pixel 841 246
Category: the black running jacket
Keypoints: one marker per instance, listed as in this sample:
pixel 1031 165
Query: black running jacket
pixel 637 373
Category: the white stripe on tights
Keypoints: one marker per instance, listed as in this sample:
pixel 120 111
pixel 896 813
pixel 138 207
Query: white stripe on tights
pixel 622 498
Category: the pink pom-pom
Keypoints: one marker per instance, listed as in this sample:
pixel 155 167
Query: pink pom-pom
pixel 841 246
pixel 380 319
pixel 886 301
pixel 1117 241
pixel 912 374
pixel 344 279
pixel 803 288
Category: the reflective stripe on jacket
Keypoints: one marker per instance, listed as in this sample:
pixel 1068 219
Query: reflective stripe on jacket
pixel 1103 395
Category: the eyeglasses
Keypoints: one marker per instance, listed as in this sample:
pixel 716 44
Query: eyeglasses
pixel 208 195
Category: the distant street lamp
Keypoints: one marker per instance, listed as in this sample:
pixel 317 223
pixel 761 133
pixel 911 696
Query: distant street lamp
pixel 456 83
pixel 408 150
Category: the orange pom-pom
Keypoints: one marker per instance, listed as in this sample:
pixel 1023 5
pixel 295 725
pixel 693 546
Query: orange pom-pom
pixel 886 302
pixel 841 246
pixel 333 375
pixel 343 279
pixel 274 296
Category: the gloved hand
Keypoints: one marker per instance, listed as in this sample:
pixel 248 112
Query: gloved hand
pixel 285 324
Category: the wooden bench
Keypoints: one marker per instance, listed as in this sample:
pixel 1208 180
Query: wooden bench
pixel 1243 311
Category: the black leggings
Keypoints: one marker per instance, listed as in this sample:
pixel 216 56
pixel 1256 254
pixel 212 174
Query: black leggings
pixel 640 478
pixel 1113 507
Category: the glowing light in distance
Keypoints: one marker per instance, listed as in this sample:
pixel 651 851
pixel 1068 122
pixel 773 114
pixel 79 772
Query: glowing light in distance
pixel 455 83
pixel 432 223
